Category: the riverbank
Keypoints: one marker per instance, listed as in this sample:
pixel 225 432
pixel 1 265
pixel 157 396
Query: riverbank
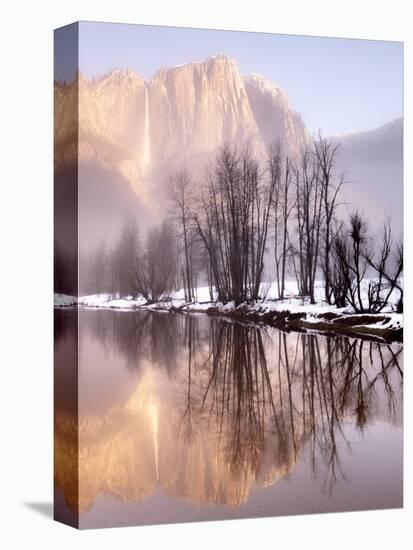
pixel 289 314
pixel 386 327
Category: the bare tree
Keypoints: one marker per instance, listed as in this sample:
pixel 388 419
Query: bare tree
pixel 354 256
pixel 125 259
pixel 308 206
pixel 350 249
pixel 325 153
pixel 339 272
pixel 282 206
pixel 232 221
pixel 398 283
pixel 181 195
pixel 99 270
pixel 156 272
pixel 388 267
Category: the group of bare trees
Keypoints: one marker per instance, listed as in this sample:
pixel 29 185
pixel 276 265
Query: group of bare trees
pixel 228 226
pixel 181 194
pixel 245 205
pixel 155 270
pixel 277 217
pixel 357 270
pixel 130 269
pixel 228 219
pixel 355 255
pixel 314 207
pixel 232 221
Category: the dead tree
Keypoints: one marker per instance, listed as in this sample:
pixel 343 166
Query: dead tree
pixel 350 249
pixel 156 272
pixel 232 221
pixel 387 277
pixel 181 195
pixel 339 272
pixel 125 258
pixel 398 283
pixel 282 204
pixel 354 257
pixel 274 168
pixel 308 207
pixel 325 155
pixel 99 266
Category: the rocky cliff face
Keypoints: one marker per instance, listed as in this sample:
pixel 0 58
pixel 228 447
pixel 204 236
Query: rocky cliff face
pixel 196 108
pixel 274 116
pixel 145 130
pixel 133 134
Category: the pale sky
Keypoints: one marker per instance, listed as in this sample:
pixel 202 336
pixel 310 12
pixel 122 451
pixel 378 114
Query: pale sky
pixel 337 85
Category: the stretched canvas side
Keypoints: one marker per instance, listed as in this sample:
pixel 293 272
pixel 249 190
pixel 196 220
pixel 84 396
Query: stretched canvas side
pixel 66 334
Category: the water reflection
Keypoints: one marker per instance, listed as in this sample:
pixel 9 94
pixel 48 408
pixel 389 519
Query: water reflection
pixel 207 409
pixel 143 335
pixel 66 433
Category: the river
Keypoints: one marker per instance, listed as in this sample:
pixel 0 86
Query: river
pixel 165 417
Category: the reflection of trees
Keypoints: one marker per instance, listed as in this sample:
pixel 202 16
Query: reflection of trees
pixel 269 396
pixel 217 407
pixel 233 393
pixel 116 332
pixel 240 396
pixel 136 336
pixel 341 378
pixel 191 338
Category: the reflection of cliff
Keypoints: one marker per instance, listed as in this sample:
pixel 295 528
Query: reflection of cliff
pixel 132 449
pixel 235 410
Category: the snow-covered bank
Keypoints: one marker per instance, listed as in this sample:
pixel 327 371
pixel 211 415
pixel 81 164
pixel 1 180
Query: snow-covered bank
pixel 176 300
pixel 64 300
pixel 290 314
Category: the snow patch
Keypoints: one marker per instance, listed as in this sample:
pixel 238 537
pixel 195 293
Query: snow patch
pixel 64 300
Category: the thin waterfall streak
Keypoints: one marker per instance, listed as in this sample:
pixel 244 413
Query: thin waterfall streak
pixel 146 140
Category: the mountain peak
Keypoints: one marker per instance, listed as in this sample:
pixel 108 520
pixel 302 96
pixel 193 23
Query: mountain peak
pixel 261 83
pixel 118 75
pixel 274 115
pixel 220 58
pixel 182 115
pixel 210 63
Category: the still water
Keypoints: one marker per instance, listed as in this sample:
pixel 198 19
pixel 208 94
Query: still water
pixel 186 417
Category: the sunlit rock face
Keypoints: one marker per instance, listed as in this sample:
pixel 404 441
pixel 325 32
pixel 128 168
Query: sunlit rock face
pixel 112 115
pixel 198 107
pixel 146 130
pixel 274 116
